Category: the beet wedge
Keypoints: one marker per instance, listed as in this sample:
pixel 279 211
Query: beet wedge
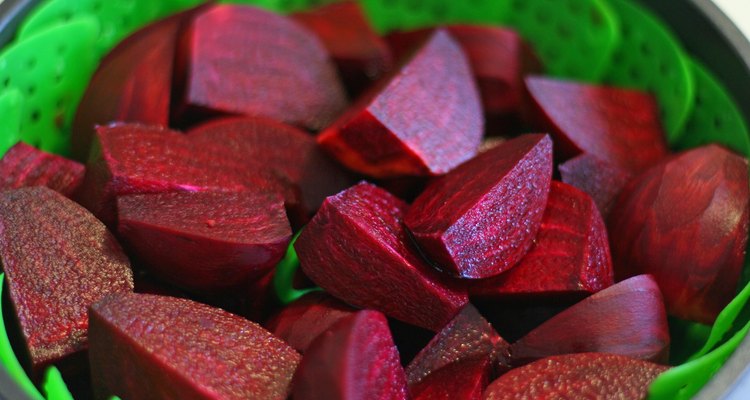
pixel 238 59
pixel 465 379
pixel 480 219
pixel 357 250
pixel 58 260
pixel 423 120
pixel 685 221
pixel 570 255
pixel 620 126
pixel 158 347
pixel 577 376
pixel 24 165
pixel 354 359
pixel 601 180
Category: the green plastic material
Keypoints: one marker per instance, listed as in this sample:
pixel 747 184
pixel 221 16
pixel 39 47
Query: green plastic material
pixel 54 387
pixel 389 15
pixel 283 279
pixel 11 108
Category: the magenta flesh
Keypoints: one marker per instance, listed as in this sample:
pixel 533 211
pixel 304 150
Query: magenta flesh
pixel 465 380
pixel 24 165
pixel 601 180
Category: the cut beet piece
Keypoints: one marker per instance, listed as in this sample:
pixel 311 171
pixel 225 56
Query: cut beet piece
pixel 360 54
pixel 158 347
pixel 58 260
pixel 602 181
pixel 465 380
pixel 423 120
pixel 205 241
pixel 357 249
pixel 237 59
pixel 620 126
pixel 354 359
pixel 480 219
pixel 627 319
pixel 685 221
pixel 586 375
pixel 570 253
pixel 24 165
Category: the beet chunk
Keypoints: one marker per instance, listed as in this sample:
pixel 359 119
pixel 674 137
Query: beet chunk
pixel 58 259
pixel 601 180
pixel 685 221
pixel 158 347
pixel 423 120
pixel 620 126
pixel 356 249
pixel 481 218
pixel 570 253
pixel 24 165
pixel 464 380
pixel 354 359
pixel 586 375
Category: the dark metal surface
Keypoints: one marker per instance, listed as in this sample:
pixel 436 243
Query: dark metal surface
pixel 10 16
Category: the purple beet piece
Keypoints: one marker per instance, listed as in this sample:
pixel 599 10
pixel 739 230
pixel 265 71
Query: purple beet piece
pixel 620 126
pixel 238 59
pixel 424 119
pixel 158 347
pixel 627 318
pixel 465 379
pixel 685 221
pixel 58 259
pixel 205 241
pixel 601 180
pixel 481 218
pixel 357 249
pixel 24 165
pixel 570 253
pixel 354 359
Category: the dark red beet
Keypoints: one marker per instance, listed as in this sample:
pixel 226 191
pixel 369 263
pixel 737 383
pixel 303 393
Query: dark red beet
pixel 570 253
pixel 627 319
pixel 24 165
pixel 58 260
pixel 237 59
pixel 423 120
pixel 685 221
pixel 465 380
pixel 357 249
pixel 158 347
pixel 618 125
pixel 601 180
pixel 577 376
pixel 354 359
pixel 480 219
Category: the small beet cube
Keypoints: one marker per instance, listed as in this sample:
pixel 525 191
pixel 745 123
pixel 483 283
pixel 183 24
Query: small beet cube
pixel 481 218
pixel 465 380
pixel 423 120
pixel 599 179
pixel 158 347
pixel 24 165
pixel 354 359
pixel 685 221
pixel 357 249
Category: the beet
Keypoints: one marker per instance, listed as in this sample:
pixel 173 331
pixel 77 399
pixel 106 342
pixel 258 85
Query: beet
pixel 627 319
pixel 601 180
pixel 237 59
pixel 354 359
pixel 58 259
pixel 685 221
pixel 481 218
pixel 158 347
pixel 357 249
pixel 465 380
pixel 570 253
pixel 621 126
pixel 24 165
pixel 424 119
pixel 577 376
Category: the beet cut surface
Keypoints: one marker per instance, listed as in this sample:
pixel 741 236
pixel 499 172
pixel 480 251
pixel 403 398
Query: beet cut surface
pixel 24 165
pixel 465 380
pixel 601 180
pixel 481 218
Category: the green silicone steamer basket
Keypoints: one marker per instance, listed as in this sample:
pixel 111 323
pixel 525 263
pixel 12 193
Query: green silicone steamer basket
pixel 687 53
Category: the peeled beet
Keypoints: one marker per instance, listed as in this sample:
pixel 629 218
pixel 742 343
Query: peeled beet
pixel 24 165
pixel 357 249
pixel 58 260
pixel 424 119
pixel 481 218
pixel 600 179
pixel 465 380
pixel 685 221
pixel 354 359
pixel 158 347
pixel 620 126
pixel 570 254
pixel 238 59
pixel 577 376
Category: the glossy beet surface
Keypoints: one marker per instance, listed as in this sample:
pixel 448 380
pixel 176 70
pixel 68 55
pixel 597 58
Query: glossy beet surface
pixel 465 379
pixel 24 165
pixel 600 179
